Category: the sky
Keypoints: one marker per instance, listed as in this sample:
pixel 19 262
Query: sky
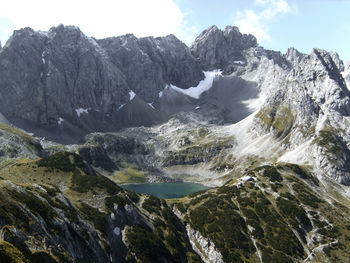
pixel 277 24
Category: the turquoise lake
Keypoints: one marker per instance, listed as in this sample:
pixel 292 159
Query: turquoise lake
pixel 166 190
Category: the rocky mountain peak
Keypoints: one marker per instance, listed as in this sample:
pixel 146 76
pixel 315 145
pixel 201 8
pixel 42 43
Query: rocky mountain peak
pixel 217 49
pixel 332 65
pixel 293 56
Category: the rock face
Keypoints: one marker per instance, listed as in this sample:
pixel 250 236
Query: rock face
pixel 151 63
pixel 50 78
pixel 206 249
pixel 218 49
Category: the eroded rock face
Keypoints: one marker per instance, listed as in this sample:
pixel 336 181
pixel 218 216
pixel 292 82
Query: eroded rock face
pixel 51 79
pixel 151 63
pixel 217 49
pixel 203 247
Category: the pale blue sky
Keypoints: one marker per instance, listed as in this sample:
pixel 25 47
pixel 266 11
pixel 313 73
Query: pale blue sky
pixel 278 24
pixel 309 23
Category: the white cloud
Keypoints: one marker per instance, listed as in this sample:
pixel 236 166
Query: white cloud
pixel 257 22
pixel 101 18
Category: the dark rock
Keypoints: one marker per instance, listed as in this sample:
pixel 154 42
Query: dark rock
pixel 97 157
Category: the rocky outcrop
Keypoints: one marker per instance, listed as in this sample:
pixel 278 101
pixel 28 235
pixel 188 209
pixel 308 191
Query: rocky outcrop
pixel 151 63
pixel 203 247
pixel 217 49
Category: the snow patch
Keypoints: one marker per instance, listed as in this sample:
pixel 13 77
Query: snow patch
pixel 60 120
pixel 120 107
pixel 116 231
pixel 132 95
pixel 239 62
pixel 43 57
pixel 81 110
pixel 151 105
pixel 197 108
pixel 204 85
pixel 160 93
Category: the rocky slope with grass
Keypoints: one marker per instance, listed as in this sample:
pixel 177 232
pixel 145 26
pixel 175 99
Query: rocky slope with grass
pixel 59 209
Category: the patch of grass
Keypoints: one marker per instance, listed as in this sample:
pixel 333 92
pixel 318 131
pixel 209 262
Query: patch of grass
pixel 83 183
pixel 329 139
pixel 130 175
pixel 10 254
pixel 281 119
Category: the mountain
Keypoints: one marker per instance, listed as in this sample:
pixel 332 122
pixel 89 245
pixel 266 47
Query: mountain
pixel 269 132
pixel 49 76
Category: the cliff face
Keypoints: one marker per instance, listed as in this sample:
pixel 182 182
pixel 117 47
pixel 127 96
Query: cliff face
pixel 52 78
pixel 217 49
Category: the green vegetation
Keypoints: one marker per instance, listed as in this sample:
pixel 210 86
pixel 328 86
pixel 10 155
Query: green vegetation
pixel 231 214
pixel 302 172
pixel 146 245
pixel 119 200
pixel 42 256
pixel 152 204
pixel 83 183
pixel 198 153
pixel 306 196
pixel 271 173
pixel 11 214
pixel 329 139
pixel 281 119
pixel 222 163
pixel 94 215
pixel 34 204
pixel 10 254
pixel 218 219
pixel 276 212
pixel 130 175
pixel 64 161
